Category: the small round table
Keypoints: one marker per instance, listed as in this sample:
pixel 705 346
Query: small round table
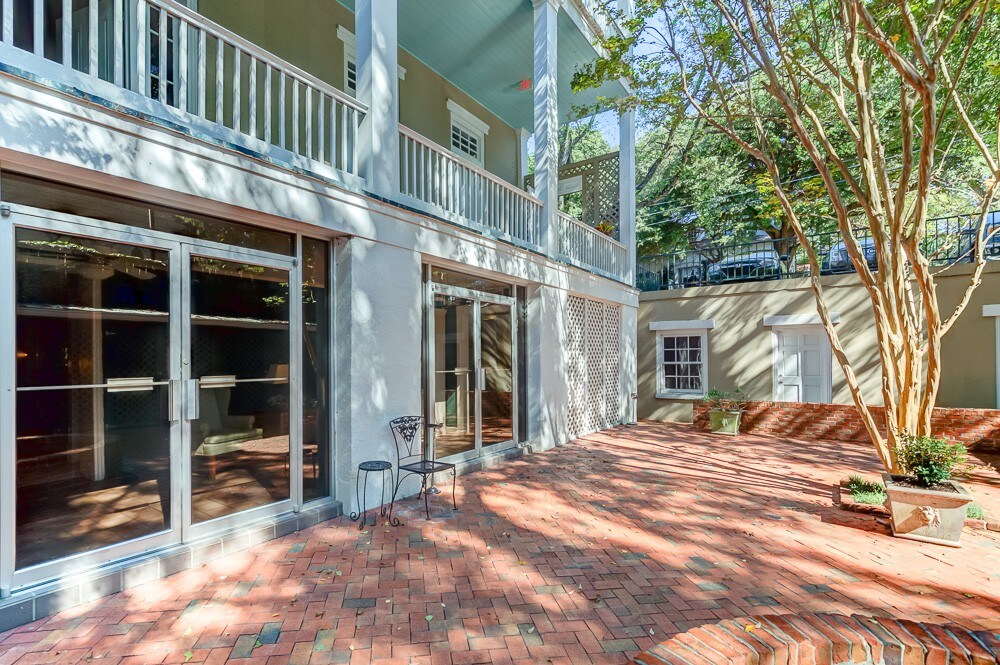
pixel 362 493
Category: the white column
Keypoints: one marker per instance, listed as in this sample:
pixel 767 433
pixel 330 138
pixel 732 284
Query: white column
pixel 627 193
pixel 626 173
pixel 547 119
pixel 377 47
pixel 378 287
pixel 522 155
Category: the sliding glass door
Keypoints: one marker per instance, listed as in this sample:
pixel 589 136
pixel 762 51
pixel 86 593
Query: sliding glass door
pixel 238 370
pixel 470 358
pixel 96 366
pixel 150 391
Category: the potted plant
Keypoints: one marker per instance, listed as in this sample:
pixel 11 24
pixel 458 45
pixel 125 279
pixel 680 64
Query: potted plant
pixel 725 410
pixel 924 502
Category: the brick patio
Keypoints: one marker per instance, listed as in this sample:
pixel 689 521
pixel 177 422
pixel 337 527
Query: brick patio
pixel 588 553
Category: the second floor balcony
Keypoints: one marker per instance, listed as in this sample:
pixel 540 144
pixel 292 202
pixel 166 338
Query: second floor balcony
pixel 303 86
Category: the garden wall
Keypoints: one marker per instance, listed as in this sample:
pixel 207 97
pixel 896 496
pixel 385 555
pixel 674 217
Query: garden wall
pixel 976 428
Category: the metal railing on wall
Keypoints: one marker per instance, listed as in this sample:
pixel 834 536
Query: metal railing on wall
pixel 948 240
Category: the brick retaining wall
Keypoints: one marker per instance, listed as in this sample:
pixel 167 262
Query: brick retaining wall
pixel 978 428
pixel 825 639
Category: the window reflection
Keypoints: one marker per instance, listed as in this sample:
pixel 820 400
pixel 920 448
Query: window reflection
pixel 240 357
pixel 93 446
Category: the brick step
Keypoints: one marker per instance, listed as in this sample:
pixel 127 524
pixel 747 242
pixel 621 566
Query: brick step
pixel 825 639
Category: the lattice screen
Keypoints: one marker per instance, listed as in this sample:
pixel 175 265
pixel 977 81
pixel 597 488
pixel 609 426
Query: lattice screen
pixel 576 369
pixel 593 342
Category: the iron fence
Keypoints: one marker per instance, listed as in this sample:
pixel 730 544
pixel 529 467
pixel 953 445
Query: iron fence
pixel 947 240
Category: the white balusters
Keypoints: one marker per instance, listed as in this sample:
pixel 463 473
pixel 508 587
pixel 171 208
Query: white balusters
pixel 38 11
pixel 119 43
pixel 587 246
pixel 8 21
pixel 92 42
pixel 67 29
pixel 433 175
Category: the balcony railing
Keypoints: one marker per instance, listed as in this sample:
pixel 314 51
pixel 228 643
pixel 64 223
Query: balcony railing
pixel 434 178
pixel 164 52
pixel 585 246
pixel 947 241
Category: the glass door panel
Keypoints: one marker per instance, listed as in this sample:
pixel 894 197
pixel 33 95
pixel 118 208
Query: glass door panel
pixel 239 365
pixel 93 422
pixel 497 372
pixel 454 375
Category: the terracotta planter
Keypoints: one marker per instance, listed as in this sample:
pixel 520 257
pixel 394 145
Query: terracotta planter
pixel 724 422
pixel 930 516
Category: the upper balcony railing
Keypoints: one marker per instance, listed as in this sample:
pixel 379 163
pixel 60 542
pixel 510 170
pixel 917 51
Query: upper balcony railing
pixel 947 241
pixel 236 91
pixel 163 62
pixel 583 245
pixel 432 176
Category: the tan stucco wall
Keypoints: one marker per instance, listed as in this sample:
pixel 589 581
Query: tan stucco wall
pixel 739 347
pixel 305 34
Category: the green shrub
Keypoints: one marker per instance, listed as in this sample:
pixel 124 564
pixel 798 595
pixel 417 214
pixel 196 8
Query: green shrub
pixel 858 484
pixel 733 400
pixel 930 461
pixel 866 491
pixel 870 498
pixel 975 511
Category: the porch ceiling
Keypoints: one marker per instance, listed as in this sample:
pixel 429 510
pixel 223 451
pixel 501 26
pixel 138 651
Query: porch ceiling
pixel 485 49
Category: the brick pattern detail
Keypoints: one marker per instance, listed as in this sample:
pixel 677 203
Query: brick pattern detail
pixel 826 639
pixel 976 428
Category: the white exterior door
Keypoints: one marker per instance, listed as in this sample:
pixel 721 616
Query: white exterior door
pixel 802 365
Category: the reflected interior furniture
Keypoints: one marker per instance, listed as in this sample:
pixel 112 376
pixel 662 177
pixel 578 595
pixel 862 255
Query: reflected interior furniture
pixel 407 434
pixel 221 433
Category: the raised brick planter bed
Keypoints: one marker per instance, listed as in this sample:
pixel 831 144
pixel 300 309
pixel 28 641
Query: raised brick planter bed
pixel 825 639
pixel 976 428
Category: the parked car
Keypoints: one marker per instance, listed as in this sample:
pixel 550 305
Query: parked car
pixel 991 232
pixel 757 261
pixel 838 261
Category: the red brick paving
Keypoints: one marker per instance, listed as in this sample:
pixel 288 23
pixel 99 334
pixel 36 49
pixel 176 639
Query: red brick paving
pixel 588 553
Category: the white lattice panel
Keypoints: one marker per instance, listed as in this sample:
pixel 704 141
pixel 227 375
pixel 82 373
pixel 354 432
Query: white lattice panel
pixel 595 366
pixel 593 346
pixel 612 364
pixel 576 364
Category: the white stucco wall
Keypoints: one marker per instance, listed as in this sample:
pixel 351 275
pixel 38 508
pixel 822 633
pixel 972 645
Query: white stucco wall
pixel 378 270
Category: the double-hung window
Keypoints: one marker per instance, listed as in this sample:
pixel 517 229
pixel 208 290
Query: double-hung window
pixel 468 134
pixel 682 358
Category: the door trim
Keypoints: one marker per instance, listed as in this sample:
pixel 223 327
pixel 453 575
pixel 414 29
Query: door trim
pixel 825 360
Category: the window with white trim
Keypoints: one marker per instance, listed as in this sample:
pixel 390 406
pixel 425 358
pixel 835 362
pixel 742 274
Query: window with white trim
pixel 682 363
pixel 468 133
pixel 351 62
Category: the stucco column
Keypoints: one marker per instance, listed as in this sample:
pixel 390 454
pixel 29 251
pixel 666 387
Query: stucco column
pixel 377 46
pixel 547 120
pixel 379 304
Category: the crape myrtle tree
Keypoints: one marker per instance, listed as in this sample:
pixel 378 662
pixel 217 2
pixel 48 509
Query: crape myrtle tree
pixel 879 95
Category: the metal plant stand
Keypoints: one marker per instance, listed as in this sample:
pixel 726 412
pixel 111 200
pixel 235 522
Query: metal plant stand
pixel 361 492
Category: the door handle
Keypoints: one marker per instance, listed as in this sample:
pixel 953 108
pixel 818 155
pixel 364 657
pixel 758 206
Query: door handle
pixel 174 397
pixel 482 378
pixel 192 406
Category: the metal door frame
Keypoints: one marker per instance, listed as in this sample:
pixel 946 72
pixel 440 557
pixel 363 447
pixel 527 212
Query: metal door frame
pixel 179 249
pixel 477 297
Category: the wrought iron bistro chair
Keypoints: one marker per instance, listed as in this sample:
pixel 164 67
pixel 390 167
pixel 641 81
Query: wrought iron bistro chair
pixel 410 460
